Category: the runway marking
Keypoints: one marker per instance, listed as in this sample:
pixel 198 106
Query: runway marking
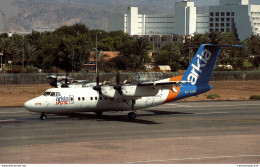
pixel 13 112
pixel 211 113
pixel 205 119
pixel 7 120
pixel 205 106
pixel 196 158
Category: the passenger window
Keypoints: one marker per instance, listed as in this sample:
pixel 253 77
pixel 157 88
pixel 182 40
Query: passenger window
pixel 95 98
pixel 79 98
pixel 83 98
pixel 52 93
pixel 91 98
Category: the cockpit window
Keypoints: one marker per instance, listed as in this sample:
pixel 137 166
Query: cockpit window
pixel 46 93
pixel 52 93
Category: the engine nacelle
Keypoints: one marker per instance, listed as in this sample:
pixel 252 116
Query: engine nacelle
pixel 137 91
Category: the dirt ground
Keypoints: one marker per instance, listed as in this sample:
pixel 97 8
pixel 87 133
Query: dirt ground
pixel 16 95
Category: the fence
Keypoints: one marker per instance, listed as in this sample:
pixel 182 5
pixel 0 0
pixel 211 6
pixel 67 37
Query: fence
pixel 40 78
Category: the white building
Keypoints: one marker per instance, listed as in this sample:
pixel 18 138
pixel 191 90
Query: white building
pixel 185 18
pixel 237 16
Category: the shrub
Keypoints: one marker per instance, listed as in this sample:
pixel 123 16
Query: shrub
pixel 255 97
pixel 213 96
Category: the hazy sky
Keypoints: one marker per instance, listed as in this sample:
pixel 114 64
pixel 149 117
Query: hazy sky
pixel 7 8
pixel 10 10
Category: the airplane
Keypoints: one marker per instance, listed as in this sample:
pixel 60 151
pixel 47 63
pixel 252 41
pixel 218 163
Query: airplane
pixel 101 98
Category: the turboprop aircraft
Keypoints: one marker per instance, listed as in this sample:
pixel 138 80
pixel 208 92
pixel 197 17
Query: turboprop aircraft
pixel 130 97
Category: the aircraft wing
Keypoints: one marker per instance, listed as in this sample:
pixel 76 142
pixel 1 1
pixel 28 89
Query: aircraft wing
pixel 162 84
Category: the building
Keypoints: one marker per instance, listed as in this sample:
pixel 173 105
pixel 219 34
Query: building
pixel 181 22
pixel 104 55
pixel 237 16
pixel 42 29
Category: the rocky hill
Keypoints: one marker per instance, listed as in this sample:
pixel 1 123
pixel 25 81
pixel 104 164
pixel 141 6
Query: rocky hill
pixel 23 15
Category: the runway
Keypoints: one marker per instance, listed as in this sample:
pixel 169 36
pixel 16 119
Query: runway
pixel 181 132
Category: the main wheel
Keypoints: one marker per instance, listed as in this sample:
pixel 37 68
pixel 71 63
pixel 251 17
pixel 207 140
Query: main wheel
pixel 132 115
pixel 99 114
pixel 43 116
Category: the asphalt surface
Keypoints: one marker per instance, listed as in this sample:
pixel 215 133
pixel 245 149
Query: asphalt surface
pixel 180 132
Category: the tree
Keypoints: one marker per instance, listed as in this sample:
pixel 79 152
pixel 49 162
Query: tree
pixel 136 52
pixel 170 55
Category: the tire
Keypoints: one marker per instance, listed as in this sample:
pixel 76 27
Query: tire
pixel 43 116
pixel 99 114
pixel 131 115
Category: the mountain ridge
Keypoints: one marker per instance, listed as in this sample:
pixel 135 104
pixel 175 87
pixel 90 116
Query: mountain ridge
pixel 23 15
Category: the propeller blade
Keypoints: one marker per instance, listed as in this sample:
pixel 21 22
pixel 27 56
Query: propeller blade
pixel 54 80
pixel 66 85
pixel 97 79
pixel 97 87
pixel 117 78
pixel 118 87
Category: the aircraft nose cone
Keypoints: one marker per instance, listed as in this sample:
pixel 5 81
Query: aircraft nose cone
pixel 29 105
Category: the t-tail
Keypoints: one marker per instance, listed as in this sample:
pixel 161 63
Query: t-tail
pixel 199 72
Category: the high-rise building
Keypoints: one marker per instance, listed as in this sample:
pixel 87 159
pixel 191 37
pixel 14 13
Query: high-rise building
pixel 237 16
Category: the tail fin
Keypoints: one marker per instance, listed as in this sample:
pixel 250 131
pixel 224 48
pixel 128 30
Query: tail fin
pixel 202 65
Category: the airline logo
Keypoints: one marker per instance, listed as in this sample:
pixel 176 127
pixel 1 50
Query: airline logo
pixel 65 100
pixel 196 68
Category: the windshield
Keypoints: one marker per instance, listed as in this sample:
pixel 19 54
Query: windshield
pixel 46 93
pixel 51 94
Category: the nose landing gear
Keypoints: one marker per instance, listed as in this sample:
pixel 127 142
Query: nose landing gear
pixel 43 116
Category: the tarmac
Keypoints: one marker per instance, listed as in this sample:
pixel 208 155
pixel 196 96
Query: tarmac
pixel 219 132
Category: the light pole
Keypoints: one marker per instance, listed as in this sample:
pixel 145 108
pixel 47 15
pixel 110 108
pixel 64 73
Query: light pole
pixel 96 54
pixel 23 51
pixel 1 54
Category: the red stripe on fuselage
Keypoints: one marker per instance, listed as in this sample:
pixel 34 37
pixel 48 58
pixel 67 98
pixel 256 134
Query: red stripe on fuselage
pixel 172 95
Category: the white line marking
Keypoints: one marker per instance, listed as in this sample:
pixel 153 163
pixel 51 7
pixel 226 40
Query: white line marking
pixel 7 120
pixel 211 113
pixel 197 158
pixel 205 106
pixel 13 112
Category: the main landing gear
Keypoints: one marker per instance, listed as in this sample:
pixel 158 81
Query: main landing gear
pixel 43 116
pixel 99 114
pixel 132 115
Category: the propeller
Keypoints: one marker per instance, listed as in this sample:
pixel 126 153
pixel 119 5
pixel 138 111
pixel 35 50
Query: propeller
pixel 97 87
pixel 66 85
pixel 118 87
pixel 54 80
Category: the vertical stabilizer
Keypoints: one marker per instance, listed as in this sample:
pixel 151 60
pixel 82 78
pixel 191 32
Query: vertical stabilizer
pixel 202 65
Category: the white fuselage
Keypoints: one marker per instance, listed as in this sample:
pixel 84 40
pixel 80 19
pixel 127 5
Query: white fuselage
pixel 85 99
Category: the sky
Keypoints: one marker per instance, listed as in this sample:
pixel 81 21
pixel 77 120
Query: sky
pixel 10 10
pixel 7 8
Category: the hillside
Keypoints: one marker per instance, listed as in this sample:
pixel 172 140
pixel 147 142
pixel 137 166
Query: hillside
pixel 22 15
pixel 25 14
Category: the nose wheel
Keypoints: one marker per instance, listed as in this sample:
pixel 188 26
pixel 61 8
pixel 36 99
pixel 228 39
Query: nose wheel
pixel 43 116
